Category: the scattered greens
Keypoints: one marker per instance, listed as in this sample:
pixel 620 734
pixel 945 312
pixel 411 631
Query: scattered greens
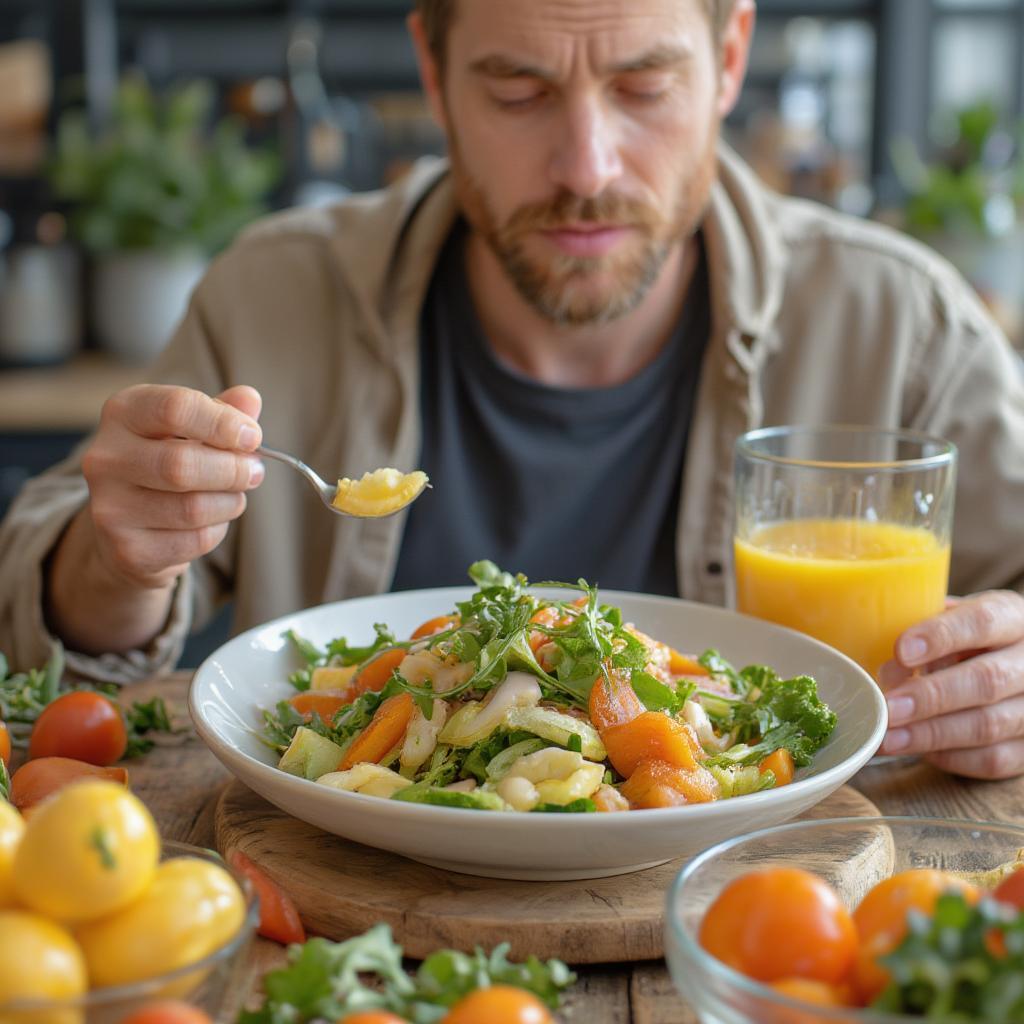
pixel 953 967
pixel 328 980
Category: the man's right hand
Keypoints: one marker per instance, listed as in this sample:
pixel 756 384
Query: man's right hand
pixel 168 471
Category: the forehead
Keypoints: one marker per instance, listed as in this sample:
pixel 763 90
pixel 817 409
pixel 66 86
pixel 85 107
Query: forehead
pixel 559 32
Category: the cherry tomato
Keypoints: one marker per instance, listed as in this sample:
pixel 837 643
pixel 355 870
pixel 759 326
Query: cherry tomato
pixel 169 1011
pixel 499 1004
pixel 1011 889
pixel 881 919
pixel 279 920
pixel 34 781
pixel 781 923
pixel 83 725
pixel 372 1017
pixel 5 744
pixel 817 993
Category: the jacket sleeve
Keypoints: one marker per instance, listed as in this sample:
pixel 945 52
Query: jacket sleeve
pixel 968 386
pixel 46 505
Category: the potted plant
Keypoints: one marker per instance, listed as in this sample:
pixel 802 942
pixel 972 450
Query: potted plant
pixel 153 197
pixel 969 205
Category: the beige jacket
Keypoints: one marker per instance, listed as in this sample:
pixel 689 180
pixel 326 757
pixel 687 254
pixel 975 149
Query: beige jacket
pixel 816 318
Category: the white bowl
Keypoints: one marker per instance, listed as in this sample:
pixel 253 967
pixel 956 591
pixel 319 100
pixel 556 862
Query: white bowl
pixel 250 673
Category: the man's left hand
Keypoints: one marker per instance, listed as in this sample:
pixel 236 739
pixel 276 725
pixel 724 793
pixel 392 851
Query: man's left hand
pixel 956 688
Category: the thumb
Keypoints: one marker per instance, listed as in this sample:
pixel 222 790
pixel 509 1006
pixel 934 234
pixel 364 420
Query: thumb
pixel 243 398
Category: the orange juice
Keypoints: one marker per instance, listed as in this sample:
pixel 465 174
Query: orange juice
pixel 856 585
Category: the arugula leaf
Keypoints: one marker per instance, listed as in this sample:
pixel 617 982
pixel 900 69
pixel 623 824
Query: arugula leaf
pixel 141 719
pixel 340 652
pixel 656 695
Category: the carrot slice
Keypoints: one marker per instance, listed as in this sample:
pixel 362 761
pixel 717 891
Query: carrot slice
pixel 658 784
pixel 385 731
pixel 651 736
pixel 435 625
pixel 781 763
pixel 279 920
pixel 684 665
pixel 374 675
pixel 613 701
pixel 326 703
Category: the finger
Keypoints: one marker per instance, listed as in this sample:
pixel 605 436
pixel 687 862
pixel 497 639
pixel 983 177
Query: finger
pixel 992 619
pixel 150 552
pixel 162 510
pixel 1003 761
pixel 176 466
pixel 243 398
pixel 892 674
pixel 977 727
pixel 161 411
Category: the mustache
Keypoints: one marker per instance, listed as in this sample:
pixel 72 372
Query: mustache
pixel 566 208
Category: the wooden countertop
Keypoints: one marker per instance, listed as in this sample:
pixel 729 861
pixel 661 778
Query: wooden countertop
pixel 66 398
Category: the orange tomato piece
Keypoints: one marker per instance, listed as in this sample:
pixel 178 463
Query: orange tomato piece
pixel 374 675
pixel 82 725
pixel 658 784
pixel 683 665
pixel 436 625
pixel 499 1004
pixel 168 1011
pixel 326 703
pixel 881 919
pixel 385 731
pixel 817 993
pixel 5 744
pixel 372 1017
pixel 780 923
pixel 780 762
pixel 279 920
pixel 613 701
pixel 36 780
pixel 547 616
pixel 651 736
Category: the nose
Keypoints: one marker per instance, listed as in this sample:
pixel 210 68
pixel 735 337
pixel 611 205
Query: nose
pixel 586 159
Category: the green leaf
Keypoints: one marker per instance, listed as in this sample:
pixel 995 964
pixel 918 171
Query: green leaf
pixel 654 694
pixel 583 805
pixel 141 719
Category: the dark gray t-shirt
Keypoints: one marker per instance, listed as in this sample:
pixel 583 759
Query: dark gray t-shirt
pixel 554 482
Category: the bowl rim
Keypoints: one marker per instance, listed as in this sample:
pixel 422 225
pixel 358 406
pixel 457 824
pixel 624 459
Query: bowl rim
pixel 139 990
pixel 705 962
pixel 843 770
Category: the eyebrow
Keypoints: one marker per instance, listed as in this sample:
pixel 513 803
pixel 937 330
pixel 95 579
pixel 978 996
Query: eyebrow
pixel 498 65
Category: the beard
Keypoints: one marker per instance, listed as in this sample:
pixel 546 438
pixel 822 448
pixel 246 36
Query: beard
pixel 575 291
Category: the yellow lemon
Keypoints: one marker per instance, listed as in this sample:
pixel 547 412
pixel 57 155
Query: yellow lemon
pixel 379 493
pixel 87 851
pixel 12 825
pixel 191 909
pixel 38 960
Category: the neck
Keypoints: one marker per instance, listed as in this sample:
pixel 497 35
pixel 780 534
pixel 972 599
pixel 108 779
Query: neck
pixel 576 356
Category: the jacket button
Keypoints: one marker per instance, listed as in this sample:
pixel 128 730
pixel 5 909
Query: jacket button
pixel 714 568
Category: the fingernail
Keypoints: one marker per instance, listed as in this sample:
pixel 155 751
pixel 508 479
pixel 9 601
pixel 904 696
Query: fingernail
pixel 900 709
pixel 913 649
pixel 256 472
pixel 896 739
pixel 248 438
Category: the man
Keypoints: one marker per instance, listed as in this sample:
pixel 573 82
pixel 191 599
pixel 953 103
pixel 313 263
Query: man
pixel 568 329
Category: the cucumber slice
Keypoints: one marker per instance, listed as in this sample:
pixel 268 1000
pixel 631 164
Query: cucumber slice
pixel 310 755
pixel 478 800
pixel 558 728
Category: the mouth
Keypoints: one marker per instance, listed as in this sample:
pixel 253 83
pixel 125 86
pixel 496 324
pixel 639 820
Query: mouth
pixel 586 240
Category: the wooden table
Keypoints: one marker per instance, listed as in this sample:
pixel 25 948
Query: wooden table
pixel 180 781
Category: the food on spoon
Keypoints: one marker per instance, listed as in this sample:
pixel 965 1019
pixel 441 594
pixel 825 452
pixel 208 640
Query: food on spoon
pixel 518 702
pixel 379 493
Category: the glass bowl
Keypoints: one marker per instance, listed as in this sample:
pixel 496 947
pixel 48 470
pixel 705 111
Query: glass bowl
pixel 852 854
pixel 215 984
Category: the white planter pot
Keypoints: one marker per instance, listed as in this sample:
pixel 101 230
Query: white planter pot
pixel 140 296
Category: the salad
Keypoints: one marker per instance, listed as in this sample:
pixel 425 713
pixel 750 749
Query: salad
pixel 518 702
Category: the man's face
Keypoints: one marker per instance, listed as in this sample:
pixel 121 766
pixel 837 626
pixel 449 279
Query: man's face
pixel 582 135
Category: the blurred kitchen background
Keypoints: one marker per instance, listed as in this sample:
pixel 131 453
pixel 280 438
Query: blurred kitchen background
pixel 138 136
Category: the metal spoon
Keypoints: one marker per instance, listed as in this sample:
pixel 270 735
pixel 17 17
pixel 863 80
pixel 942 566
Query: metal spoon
pixel 324 490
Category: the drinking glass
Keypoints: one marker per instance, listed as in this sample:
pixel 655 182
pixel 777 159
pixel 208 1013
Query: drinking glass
pixel 843 532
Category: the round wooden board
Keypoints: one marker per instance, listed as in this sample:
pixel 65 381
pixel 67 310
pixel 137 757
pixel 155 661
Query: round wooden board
pixel 342 888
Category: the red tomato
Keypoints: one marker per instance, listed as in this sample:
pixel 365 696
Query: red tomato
pixel 881 919
pixel 168 1012
pixel 781 923
pixel 82 725
pixel 372 1017
pixel 1011 889
pixel 499 1004
pixel 36 780
pixel 279 920
pixel 5 744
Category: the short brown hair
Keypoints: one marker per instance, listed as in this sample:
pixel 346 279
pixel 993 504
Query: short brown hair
pixel 438 14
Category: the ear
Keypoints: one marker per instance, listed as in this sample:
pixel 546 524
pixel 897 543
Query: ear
pixel 735 50
pixel 430 73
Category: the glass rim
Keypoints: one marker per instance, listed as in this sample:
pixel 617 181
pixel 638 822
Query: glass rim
pixel 945 455
pixel 136 990
pixel 705 962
